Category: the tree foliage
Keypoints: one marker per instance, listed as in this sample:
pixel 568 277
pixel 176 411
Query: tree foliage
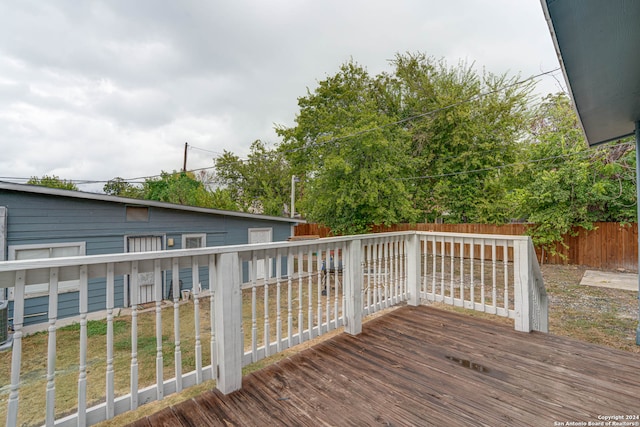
pixel 419 143
pixel 260 184
pixel 424 141
pixel 183 188
pixel 463 125
pixel 350 154
pixel 53 182
pixel 562 183
pixel 121 188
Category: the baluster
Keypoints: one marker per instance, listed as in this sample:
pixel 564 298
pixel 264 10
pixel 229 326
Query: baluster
pixel 16 355
pixel 401 276
pixel 195 278
pixel 387 271
pixel 402 268
pixel 374 288
pixel 320 283
pixel 345 271
pixel 110 374
pixel 442 273
pixel 51 351
pixel 404 277
pixel 505 261
pixel 300 314
pixel 290 269
pixel 434 253
pixel 134 334
pixel 493 278
pixel 254 317
pixel 327 286
pixel 336 276
pixel 370 270
pixel 267 326
pixel 175 273
pixel 212 280
pixel 278 302
pixel 310 291
pixel 452 272
pixel 482 267
pixel 82 374
pixel 394 263
pixel 462 271
pixel 396 277
pixel 425 267
pixel 159 358
pixel 472 297
pixel 379 276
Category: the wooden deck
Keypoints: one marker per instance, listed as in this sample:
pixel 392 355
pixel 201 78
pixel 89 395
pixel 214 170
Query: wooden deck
pixel 422 366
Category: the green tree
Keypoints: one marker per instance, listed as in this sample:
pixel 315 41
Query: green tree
pixel 221 199
pixel 350 153
pixel 121 188
pixel 184 189
pixel 562 183
pixel 464 126
pixel 53 182
pixel 260 184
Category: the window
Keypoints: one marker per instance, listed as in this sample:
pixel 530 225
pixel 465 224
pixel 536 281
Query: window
pixel 53 250
pixel 192 241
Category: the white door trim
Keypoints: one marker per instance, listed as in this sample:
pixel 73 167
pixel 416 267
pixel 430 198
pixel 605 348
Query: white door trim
pixel 260 235
pixel 144 293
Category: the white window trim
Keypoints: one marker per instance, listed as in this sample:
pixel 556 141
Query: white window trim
pixel 16 248
pixel 202 236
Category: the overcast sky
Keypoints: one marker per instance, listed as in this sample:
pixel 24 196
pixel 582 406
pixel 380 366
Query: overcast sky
pixel 91 90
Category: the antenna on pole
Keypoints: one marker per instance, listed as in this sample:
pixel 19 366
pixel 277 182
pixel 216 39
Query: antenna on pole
pixel 184 164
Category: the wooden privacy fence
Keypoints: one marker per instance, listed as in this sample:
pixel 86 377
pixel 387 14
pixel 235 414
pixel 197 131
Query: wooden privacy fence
pixel 609 246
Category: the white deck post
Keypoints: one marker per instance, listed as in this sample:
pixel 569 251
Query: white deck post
pixel 16 357
pixel 413 268
pixel 353 288
pixel 228 323
pixel 522 285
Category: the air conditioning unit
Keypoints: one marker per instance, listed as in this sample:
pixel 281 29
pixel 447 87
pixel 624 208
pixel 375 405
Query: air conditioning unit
pixel 4 323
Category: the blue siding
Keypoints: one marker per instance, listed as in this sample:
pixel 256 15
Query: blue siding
pixel 102 226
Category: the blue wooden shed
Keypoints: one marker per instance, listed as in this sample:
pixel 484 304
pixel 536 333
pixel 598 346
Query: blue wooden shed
pixel 39 222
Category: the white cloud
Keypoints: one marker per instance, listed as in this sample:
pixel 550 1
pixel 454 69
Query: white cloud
pixel 94 90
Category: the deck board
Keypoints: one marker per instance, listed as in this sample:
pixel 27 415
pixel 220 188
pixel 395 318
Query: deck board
pixel 423 366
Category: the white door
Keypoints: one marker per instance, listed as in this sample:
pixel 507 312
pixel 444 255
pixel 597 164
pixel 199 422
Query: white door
pixel 260 235
pixel 146 285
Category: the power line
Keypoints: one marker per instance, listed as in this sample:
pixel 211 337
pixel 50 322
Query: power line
pixel 586 154
pixel 431 112
pixel 332 140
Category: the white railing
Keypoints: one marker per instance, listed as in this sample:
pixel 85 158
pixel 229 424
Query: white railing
pixel 488 273
pixel 257 300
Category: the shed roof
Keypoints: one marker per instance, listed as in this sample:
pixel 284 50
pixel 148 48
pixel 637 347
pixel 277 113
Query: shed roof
pixel 597 45
pixel 37 189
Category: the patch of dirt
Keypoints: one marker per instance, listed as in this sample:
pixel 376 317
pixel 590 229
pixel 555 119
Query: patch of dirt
pixel 598 315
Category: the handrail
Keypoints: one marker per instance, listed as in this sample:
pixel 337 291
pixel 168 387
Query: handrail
pixel 264 298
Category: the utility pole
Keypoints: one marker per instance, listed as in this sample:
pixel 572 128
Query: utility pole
pixel 184 164
pixel 294 179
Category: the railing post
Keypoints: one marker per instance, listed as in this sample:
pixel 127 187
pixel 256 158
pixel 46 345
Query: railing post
pixel 522 286
pixel 353 288
pixel 413 269
pixel 228 323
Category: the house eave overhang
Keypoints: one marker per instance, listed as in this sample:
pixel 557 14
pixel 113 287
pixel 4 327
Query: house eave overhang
pixel 597 46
